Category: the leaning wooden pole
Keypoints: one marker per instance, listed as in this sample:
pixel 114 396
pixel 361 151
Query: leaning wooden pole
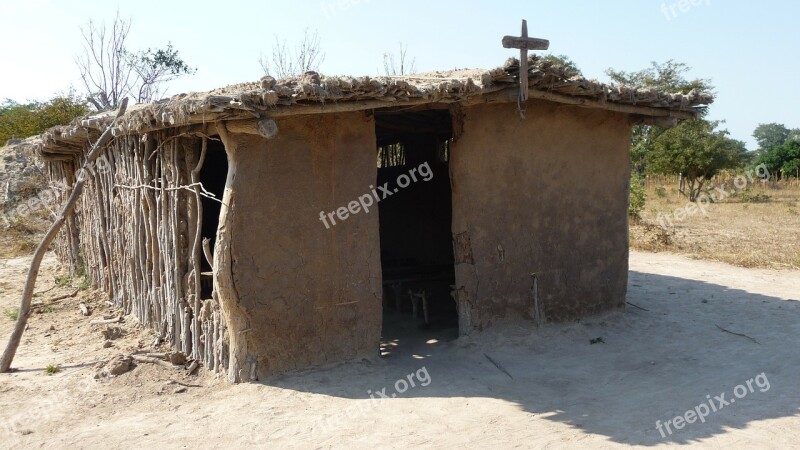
pixel 33 272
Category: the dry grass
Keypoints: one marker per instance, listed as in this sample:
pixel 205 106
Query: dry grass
pixel 746 229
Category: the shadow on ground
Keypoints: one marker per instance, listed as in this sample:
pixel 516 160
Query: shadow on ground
pixel 654 363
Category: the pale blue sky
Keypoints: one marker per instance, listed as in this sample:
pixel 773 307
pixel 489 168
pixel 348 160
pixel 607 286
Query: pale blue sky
pixel 749 49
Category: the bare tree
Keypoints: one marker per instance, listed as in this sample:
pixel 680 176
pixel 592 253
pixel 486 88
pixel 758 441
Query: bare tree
pixel 110 72
pixel 403 66
pixel 105 67
pixel 286 62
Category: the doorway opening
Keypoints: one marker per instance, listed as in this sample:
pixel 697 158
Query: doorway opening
pixel 213 175
pixel 415 211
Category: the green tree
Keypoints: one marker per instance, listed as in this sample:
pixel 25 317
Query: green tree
pixel 697 150
pixel 23 120
pixel 561 62
pixel 156 67
pixel 783 160
pixel 637 196
pixel 670 76
pixel 770 136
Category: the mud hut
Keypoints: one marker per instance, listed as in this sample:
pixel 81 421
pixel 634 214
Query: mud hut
pixel 267 226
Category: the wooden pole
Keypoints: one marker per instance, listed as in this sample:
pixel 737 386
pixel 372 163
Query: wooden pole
pixel 523 66
pixel 30 283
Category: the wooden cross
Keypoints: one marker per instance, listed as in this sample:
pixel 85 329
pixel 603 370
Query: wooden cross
pixel 524 43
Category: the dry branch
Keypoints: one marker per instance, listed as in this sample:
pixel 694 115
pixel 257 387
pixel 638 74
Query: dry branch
pixel 147 354
pixel 208 253
pixel 106 321
pixel 46 290
pixel 188 187
pixel 62 297
pixel 33 273
pixel 498 365
pixel 149 360
pixel 192 367
pixel 737 334
pixel 637 306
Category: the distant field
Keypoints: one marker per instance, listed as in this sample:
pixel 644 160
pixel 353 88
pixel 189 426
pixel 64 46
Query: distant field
pixel 757 227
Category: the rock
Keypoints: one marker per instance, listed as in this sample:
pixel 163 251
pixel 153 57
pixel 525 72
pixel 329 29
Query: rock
pixel 267 82
pixel 20 173
pixel 107 344
pixel 270 98
pixel 311 77
pixel 177 390
pixel 52 328
pixel 177 358
pixel 119 365
pixel 111 333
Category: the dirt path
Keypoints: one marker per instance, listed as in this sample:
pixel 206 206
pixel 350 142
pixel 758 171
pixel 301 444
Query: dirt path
pixel 548 388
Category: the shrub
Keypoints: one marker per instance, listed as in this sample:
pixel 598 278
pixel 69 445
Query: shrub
pixel 749 197
pixel 63 281
pixel 637 196
pixel 12 314
pixel 80 272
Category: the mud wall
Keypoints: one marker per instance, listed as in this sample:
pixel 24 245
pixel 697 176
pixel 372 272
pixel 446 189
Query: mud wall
pixel 539 213
pixel 295 293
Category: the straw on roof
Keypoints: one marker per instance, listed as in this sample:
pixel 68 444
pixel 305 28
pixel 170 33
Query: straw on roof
pixel 313 94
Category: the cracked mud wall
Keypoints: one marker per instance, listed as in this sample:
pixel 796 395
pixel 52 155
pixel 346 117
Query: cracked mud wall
pixel 296 294
pixel 540 213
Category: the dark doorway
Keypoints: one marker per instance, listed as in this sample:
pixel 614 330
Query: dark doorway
pixel 415 227
pixel 212 175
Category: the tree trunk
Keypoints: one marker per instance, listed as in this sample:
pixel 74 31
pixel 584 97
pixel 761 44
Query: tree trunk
pixel 69 206
pixel 241 366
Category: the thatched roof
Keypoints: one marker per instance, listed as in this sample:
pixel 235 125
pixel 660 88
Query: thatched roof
pixel 313 94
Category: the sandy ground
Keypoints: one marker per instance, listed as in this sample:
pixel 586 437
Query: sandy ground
pixel 546 388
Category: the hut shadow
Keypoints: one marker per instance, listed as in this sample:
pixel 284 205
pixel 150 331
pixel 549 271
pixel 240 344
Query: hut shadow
pixel 654 363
